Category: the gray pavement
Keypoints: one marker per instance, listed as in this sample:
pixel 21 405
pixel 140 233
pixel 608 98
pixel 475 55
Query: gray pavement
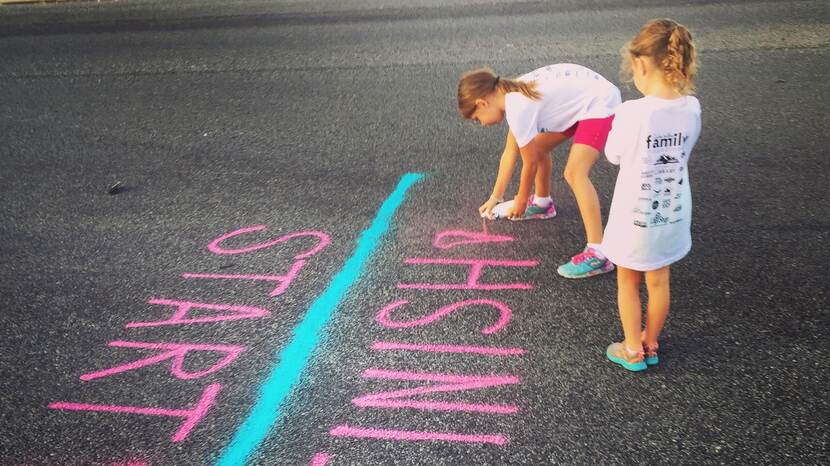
pixel 304 115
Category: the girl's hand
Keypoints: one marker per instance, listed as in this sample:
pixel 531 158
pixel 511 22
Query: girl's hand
pixel 486 209
pixel 518 209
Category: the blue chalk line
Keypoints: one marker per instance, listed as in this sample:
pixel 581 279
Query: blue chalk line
pixel 293 359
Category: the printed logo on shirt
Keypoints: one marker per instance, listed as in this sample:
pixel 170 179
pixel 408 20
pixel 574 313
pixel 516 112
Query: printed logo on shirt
pixel 676 221
pixel 677 209
pixel 666 159
pixel 668 140
pixel 658 180
pixel 659 219
pixel 655 205
pixel 677 196
pixel 640 224
pixel 669 180
pixel 667 203
pixel 645 187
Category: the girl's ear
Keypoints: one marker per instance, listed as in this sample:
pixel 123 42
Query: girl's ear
pixel 481 103
pixel 638 64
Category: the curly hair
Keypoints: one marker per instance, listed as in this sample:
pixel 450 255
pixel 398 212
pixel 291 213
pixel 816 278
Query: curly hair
pixel 671 47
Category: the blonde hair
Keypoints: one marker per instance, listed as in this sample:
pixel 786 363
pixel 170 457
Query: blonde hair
pixel 478 84
pixel 670 45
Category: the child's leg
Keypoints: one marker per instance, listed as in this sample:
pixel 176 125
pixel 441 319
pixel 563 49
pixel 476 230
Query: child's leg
pixel 628 298
pixel 543 173
pixel 543 177
pixel 657 284
pixel 580 161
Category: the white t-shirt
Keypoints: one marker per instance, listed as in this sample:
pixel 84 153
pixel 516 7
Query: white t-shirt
pixel 651 213
pixel 570 93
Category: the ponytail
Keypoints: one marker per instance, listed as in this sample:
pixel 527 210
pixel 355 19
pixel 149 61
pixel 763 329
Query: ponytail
pixel 680 64
pixel 480 83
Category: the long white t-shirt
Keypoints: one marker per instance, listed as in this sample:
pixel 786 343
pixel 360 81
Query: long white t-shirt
pixel 651 213
pixel 570 93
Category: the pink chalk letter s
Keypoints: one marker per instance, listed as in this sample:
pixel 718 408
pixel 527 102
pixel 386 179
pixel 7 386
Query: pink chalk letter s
pixel 323 241
pixel 383 318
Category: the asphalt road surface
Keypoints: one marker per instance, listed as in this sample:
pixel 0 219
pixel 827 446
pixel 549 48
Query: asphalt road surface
pixel 298 195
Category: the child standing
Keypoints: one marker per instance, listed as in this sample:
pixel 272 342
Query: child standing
pixel 649 223
pixel 543 109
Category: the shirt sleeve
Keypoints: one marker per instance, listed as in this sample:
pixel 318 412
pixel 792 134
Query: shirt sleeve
pixel 620 138
pixel 522 115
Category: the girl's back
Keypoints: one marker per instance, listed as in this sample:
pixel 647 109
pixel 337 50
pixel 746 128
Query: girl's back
pixel 650 214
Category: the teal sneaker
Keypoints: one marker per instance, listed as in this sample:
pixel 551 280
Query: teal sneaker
pixel 619 354
pixel 585 264
pixel 534 212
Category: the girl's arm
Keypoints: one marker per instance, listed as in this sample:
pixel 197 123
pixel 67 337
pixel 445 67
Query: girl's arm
pixel 506 166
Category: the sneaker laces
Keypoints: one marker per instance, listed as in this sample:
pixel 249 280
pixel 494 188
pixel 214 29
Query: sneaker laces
pixel 582 257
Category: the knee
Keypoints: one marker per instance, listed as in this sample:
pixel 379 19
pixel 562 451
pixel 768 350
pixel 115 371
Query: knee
pixel 572 176
pixel 657 280
pixel 628 279
pixel 576 174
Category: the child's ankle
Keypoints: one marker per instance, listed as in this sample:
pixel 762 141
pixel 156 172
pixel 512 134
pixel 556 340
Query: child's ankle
pixel 633 350
pixel 542 202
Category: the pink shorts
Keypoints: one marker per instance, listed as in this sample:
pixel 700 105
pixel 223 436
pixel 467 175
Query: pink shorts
pixel 592 132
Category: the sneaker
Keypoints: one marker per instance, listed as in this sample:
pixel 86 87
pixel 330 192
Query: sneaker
pixel 585 264
pixel 533 211
pixel 618 353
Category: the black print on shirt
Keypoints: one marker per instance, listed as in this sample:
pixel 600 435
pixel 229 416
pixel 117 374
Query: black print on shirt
pixel 666 159
pixel 670 140
pixel 659 219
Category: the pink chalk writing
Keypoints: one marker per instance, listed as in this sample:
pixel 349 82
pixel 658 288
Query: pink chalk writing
pixel 434 348
pixel 233 313
pixel 447 383
pixel 408 435
pixel 320 459
pixel 452 238
pixel 174 351
pixel 476 266
pixel 191 416
pixel 323 238
pixel 505 313
pixel 283 280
